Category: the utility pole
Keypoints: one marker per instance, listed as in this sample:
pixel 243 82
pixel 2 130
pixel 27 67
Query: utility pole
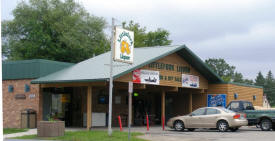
pixel 111 80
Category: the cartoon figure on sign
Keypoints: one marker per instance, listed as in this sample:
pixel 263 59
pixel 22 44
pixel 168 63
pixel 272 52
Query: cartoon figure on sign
pixel 124 46
pixel 136 76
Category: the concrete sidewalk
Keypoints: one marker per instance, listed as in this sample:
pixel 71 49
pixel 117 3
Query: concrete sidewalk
pixel 29 132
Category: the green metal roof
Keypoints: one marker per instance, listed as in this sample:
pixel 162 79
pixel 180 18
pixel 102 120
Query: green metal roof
pixel 30 69
pixel 97 69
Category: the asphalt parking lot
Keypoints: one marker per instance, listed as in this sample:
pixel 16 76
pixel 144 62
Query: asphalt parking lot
pixel 244 134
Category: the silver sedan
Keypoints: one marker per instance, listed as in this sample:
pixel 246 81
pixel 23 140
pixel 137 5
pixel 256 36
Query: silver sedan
pixel 209 117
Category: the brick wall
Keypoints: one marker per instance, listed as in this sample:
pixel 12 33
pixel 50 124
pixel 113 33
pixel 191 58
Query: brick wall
pixel 12 107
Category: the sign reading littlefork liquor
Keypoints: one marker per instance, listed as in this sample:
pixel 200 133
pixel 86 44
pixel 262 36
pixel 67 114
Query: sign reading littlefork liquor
pixel 124 45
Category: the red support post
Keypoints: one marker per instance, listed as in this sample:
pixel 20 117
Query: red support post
pixel 147 120
pixel 119 121
pixel 163 123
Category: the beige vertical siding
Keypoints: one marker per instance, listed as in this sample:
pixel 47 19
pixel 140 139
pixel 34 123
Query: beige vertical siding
pixel 244 92
pixel 175 60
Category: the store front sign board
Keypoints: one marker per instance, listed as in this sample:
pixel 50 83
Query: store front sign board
pixel 190 81
pixel 146 77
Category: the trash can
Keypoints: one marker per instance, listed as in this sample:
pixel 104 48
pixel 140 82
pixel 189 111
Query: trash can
pixel 28 118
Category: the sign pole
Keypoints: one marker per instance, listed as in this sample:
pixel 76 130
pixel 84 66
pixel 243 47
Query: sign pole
pixel 130 109
pixel 111 81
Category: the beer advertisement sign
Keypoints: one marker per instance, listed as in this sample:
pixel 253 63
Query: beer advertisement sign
pixel 123 45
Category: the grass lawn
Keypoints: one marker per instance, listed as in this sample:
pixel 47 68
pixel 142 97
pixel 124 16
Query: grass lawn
pixel 13 130
pixel 90 136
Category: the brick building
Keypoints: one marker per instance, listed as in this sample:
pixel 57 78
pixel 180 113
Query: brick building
pixel 18 92
pixel 172 81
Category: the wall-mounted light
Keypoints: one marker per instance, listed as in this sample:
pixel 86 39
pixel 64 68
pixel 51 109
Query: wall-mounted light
pixel 235 96
pixel 254 97
pixel 10 88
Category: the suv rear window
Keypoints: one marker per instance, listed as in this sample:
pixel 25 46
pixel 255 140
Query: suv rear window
pixel 247 104
pixel 234 106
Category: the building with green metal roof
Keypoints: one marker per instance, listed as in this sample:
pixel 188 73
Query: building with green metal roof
pixel 18 92
pixel 168 81
pixel 30 69
pixel 85 71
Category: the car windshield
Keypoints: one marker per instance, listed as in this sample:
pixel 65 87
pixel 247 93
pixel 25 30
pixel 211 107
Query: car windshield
pixel 227 110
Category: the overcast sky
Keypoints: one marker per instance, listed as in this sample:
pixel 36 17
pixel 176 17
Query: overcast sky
pixel 240 31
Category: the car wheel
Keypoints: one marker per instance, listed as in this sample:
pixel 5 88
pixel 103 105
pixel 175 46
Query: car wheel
pixel 234 129
pixel 191 129
pixel 178 125
pixel 222 126
pixel 266 125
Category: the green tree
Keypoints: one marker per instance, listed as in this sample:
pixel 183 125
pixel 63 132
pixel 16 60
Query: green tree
pixel 222 68
pixel 55 30
pixel 248 81
pixel 269 88
pixel 260 80
pixel 238 77
pixel 152 38
pixel 157 38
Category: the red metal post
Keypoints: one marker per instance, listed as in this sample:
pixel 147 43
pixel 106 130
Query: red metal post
pixel 163 123
pixel 147 120
pixel 120 125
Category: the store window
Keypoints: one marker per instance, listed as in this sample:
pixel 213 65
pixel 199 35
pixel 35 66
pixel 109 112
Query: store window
pixel 27 88
pixel 235 96
pixel 254 97
pixel 60 106
pixel 10 88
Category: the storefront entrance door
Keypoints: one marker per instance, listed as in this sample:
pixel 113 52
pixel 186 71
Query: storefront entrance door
pixel 146 104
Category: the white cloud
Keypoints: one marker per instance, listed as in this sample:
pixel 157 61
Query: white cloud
pixel 241 31
pixel 250 52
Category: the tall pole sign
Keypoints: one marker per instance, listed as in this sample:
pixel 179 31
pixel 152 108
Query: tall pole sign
pixel 111 82
pixel 124 45
pixel 122 50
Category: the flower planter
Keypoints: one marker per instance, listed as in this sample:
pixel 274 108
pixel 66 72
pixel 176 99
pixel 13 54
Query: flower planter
pixel 50 128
